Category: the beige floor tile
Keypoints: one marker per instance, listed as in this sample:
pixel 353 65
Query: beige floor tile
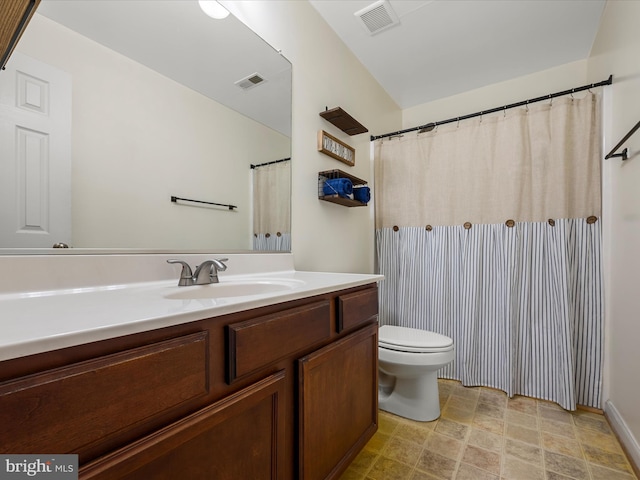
pixel 468 472
pixel 601 473
pixel 514 469
pixel 403 451
pixel 352 474
pixel 413 432
pixel 523 434
pixel 452 429
pixel 364 460
pixel 560 416
pixel 491 409
pixel 482 459
pixel 462 403
pixel 457 415
pixel 387 423
pixel 562 445
pixel 595 438
pixel 378 441
pixel 466 392
pixel 523 405
pixel 569 466
pixel 524 451
pixel 489 424
pixel 522 419
pixel 492 396
pixel 556 428
pixel 437 465
pixel 418 475
pixel 483 435
pixel 444 445
pixel 592 421
pixel 388 469
pixel 558 476
pixel 485 439
pixel 614 461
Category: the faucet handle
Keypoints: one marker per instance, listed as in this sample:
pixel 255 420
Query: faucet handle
pixel 186 276
pixel 220 266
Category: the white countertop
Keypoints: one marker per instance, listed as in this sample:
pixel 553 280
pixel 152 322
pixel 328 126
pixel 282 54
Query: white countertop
pixel 35 322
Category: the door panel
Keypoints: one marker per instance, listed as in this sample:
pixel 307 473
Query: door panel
pixel 35 154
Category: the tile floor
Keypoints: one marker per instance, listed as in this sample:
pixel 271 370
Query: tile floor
pixel 483 435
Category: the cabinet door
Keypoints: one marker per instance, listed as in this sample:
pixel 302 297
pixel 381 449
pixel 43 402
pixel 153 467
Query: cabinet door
pixel 338 411
pixel 239 437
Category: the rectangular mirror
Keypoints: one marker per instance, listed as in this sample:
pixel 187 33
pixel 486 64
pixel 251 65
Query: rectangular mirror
pixel 110 108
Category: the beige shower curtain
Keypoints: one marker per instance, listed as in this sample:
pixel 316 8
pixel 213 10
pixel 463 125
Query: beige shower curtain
pixel 272 207
pixel 487 231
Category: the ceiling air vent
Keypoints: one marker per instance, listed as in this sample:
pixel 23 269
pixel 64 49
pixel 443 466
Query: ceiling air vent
pixel 251 81
pixel 377 17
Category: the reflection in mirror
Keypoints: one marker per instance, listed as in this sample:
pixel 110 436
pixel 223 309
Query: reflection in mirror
pixel 110 108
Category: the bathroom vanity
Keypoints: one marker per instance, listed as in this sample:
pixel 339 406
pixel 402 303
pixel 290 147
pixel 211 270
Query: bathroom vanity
pixel 276 385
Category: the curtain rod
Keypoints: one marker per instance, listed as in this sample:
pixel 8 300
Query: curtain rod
pixel 270 163
pixel 432 125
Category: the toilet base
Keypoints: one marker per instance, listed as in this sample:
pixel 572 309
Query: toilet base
pixel 415 398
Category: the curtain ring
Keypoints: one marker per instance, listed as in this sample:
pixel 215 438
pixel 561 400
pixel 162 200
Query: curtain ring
pixel 550 100
pixel 572 90
pixel 458 124
pixel 527 106
pixel 504 112
pixel 481 116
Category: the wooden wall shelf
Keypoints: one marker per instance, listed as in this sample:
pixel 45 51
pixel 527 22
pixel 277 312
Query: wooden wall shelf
pixel 345 201
pixel 345 122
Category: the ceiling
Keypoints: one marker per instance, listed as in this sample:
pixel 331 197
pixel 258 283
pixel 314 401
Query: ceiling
pixel 441 48
pixel 176 39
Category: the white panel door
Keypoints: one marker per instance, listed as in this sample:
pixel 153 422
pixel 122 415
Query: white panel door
pixel 35 154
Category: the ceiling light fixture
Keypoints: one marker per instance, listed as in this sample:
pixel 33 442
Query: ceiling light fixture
pixel 213 9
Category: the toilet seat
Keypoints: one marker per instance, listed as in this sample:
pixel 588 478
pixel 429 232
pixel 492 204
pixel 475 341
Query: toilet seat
pixel 404 339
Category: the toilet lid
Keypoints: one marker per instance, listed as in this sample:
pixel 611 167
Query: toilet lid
pixel 405 339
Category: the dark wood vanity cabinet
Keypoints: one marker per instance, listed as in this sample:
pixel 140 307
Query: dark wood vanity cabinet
pixel 280 392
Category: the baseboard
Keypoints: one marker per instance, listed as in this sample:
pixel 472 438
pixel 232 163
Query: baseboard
pixel 624 434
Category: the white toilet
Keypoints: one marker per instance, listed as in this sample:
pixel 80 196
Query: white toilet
pixel 408 363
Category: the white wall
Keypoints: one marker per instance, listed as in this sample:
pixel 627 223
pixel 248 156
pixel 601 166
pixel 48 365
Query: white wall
pixel 325 236
pixel 138 138
pixel 616 51
pixel 503 93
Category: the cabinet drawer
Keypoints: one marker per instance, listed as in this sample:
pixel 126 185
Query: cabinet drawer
pixel 356 308
pixel 256 343
pixel 67 409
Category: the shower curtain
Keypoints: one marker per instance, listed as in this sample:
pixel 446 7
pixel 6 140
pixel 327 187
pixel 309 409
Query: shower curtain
pixel 272 207
pixel 488 231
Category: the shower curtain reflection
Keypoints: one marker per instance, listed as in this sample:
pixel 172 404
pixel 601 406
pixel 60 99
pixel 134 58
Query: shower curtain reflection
pixel 272 206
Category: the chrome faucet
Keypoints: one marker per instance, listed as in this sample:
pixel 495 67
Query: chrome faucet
pixel 206 272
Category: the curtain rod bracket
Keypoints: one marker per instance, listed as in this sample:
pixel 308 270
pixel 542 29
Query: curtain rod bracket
pixel 622 154
pixel 625 152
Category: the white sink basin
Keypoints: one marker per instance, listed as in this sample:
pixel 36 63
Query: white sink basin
pixel 233 289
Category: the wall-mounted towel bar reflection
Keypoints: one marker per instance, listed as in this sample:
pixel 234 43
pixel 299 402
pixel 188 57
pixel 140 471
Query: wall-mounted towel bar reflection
pixel 624 153
pixel 175 200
